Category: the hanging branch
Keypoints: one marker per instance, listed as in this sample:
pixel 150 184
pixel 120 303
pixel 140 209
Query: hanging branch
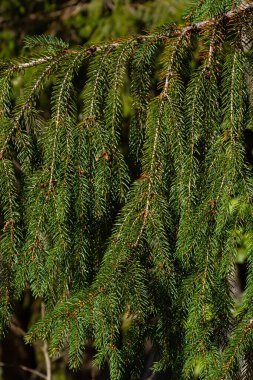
pixel 154 248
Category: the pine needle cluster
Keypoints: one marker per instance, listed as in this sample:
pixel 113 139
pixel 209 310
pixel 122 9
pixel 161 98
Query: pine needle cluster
pixel 129 241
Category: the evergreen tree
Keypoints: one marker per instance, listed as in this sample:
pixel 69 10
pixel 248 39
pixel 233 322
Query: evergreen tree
pixel 129 241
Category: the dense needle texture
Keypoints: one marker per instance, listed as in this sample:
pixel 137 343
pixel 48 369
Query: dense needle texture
pixel 134 239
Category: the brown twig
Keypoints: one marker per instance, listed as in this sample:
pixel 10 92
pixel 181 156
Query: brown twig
pixel 26 369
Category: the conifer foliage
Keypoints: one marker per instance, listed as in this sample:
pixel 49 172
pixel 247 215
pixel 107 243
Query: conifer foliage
pixel 128 242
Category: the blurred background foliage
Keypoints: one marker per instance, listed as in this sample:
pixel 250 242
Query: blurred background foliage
pixel 81 21
pixel 77 22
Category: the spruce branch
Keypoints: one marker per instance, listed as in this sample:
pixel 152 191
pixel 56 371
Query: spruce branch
pixel 201 2
pixel 176 31
pixel 122 259
pixel 231 354
pixel 27 103
pixel 59 114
